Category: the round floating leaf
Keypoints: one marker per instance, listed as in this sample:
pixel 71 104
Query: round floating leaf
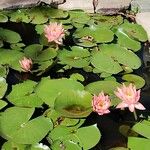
pixel 11 145
pixel 39 29
pixel 20 16
pixel 54 13
pixel 89 136
pixel 121 55
pixel 135 31
pixel 26 96
pixel 11 58
pixel 106 86
pixel 68 144
pixel 32 51
pixel 142 128
pixel 107 20
pixel 9 36
pixel 105 63
pixel 136 143
pixel 13 118
pixel 74 104
pixel 77 76
pixel 78 57
pixel 79 136
pixel 3 87
pixel 135 79
pixel 79 17
pixel 2 104
pixel 46 54
pixel 125 41
pixel 37 16
pixel 3 18
pixel 99 34
pixel 25 135
pixel 54 88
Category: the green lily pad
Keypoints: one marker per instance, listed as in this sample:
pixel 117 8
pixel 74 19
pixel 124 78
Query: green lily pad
pixel 3 87
pixel 135 31
pixel 99 34
pixel 79 17
pixel 21 130
pixel 54 88
pixel 74 104
pixel 86 140
pixel 39 28
pixel 77 76
pixel 14 116
pixel 78 57
pixel 136 143
pixel 105 86
pixel 79 136
pixel 3 18
pixel 135 79
pixel 54 13
pixel 9 36
pixel 126 41
pixel 68 144
pixel 26 96
pixel 37 16
pixel 142 128
pixel 20 15
pixel 107 20
pixel 2 104
pixel 3 71
pixel 121 55
pixel 32 51
pixel 105 63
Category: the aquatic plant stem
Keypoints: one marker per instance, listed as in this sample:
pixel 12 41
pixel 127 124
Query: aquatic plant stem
pixel 135 115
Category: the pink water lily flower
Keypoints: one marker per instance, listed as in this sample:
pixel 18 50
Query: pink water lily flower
pixel 54 32
pixel 101 103
pixel 130 97
pixel 26 64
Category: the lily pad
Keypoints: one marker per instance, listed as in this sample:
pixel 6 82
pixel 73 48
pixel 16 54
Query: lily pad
pixel 9 36
pixel 78 57
pixel 3 87
pixel 3 18
pixel 105 63
pixel 126 41
pixel 105 86
pixel 135 79
pixel 135 31
pixel 32 51
pixel 99 34
pixel 20 15
pixel 79 136
pixel 26 96
pixel 55 87
pixel 2 104
pixel 136 143
pixel 121 55
pixel 74 104
pixel 21 129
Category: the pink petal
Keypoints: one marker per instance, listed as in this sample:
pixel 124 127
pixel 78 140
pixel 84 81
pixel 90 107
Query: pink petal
pixel 131 107
pixel 122 105
pixel 139 106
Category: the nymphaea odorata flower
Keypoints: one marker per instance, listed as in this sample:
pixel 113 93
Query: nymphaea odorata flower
pixel 101 103
pixel 130 97
pixel 54 32
pixel 26 64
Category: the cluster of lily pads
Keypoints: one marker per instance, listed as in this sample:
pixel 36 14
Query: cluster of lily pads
pixel 103 46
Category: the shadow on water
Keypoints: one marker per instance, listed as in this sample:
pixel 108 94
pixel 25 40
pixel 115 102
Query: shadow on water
pixel 108 124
